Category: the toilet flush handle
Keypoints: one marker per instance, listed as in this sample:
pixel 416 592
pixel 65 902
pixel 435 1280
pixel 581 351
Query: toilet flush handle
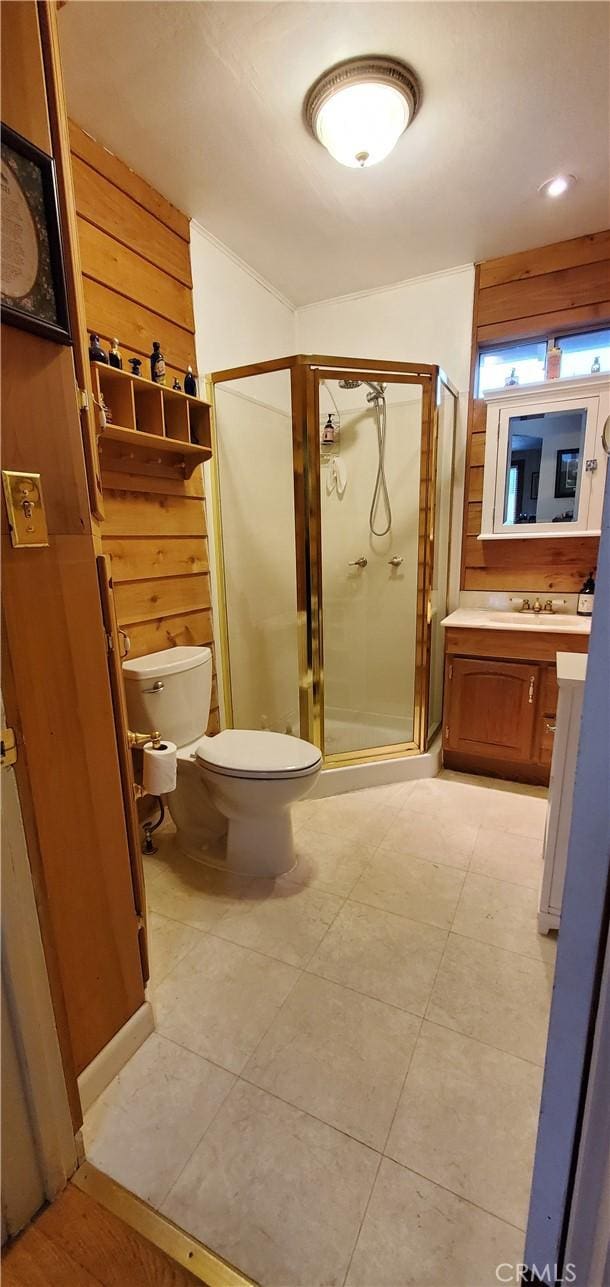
pixel 157 687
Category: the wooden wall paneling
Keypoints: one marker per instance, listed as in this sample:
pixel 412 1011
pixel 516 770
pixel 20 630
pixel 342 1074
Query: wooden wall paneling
pixel 554 288
pixel 140 600
pixel 135 325
pixel 557 322
pixel 545 259
pixel 169 557
pixel 136 514
pixel 548 292
pixel 124 178
pixel 135 250
pixel 109 262
pixel 99 201
pixel 190 628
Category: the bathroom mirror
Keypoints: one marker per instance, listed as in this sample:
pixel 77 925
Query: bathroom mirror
pixel 544 465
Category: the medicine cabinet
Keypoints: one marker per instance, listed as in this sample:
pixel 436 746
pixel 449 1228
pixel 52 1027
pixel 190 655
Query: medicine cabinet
pixel 545 463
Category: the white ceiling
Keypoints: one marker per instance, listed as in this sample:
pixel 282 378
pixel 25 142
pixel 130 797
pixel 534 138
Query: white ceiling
pixel 205 100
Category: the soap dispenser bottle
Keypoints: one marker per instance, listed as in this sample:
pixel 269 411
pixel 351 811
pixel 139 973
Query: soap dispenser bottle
pixel 586 597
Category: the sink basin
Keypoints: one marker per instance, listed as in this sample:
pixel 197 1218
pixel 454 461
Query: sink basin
pixel 542 620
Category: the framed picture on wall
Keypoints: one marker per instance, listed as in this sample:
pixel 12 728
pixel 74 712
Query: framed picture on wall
pixel 566 472
pixel 32 268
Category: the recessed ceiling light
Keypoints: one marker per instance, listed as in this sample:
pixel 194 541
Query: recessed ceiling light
pixel 358 109
pixel 558 186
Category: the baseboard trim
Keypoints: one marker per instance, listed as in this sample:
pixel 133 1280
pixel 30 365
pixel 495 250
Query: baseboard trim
pixel 99 1073
pixel 180 1246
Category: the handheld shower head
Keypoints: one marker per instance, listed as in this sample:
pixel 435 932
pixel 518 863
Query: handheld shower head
pixel 350 384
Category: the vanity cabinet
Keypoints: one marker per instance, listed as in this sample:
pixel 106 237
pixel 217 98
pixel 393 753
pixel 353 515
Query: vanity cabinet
pixel 501 700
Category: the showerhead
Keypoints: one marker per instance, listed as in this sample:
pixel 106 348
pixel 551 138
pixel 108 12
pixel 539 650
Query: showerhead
pixel 376 390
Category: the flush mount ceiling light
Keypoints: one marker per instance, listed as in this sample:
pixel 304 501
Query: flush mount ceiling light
pixel 557 186
pixel 358 109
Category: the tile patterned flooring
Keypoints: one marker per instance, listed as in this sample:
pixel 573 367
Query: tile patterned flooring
pixel 344 1083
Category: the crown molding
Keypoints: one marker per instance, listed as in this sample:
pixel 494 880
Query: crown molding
pixel 245 267
pixel 385 290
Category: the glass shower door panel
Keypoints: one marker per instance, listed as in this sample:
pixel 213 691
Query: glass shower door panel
pixel 369 580
pixel 442 543
pixel 254 458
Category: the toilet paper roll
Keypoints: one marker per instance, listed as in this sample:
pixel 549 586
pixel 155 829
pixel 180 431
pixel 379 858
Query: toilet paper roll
pixel 159 768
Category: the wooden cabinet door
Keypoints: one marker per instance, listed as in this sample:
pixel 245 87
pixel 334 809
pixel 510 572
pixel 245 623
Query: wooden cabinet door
pixel 547 715
pixel 490 708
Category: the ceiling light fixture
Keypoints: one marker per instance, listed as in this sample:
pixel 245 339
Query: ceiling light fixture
pixel 358 109
pixel 558 186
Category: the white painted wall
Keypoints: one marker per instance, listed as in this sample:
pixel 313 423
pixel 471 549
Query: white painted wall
pixel 239 318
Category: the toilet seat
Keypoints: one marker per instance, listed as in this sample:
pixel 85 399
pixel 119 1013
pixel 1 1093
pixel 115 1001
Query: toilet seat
pixel 246 753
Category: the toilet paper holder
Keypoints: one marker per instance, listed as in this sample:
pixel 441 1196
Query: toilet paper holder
pixel 142 739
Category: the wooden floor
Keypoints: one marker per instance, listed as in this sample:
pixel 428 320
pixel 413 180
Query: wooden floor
pixel 76 1243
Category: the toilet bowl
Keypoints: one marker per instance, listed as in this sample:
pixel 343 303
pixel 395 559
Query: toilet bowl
pixel 241 781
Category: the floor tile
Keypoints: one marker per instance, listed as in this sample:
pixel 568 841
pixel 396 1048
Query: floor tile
pixel 467 1120
pixel 275 1191
pixel 332 863
pixel 497 912
pixel 283 920
pixel 507 856
pixel 144 1127
pixel 195 894
pixel 408 886
pixel 431 795
pixel 523 815
pixel 220 1000
pixel 168 942
pixel 382 955
pixel 437 836
pixel 416 1234
pixel 338 1055
pixel 495 996
pixel 350 815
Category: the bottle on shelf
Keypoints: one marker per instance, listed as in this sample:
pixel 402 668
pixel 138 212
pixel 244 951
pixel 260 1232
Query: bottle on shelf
pixel 96 352
pixel 190 383
pixel 114 356
pixel 157 364
pixel 553 362
pixel 135 364
pixel 596 366
pixel 176 385
pixel 586 597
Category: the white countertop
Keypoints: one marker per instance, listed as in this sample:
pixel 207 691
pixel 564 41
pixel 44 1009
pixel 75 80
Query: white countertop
pixel 498 619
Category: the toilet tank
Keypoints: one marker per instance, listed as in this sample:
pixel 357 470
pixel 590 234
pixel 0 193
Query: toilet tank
pixel 170 691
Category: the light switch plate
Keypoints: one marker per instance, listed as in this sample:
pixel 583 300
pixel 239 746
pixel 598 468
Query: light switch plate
pixel 25 508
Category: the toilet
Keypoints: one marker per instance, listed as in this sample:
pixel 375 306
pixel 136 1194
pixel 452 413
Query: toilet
pixel 241 781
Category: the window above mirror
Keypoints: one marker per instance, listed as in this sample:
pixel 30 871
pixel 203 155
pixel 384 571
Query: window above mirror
pixel 524 362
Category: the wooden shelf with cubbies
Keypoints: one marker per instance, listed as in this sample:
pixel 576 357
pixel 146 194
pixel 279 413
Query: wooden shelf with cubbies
pixel 152 429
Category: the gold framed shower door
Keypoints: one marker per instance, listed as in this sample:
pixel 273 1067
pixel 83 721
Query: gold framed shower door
pixel 306 373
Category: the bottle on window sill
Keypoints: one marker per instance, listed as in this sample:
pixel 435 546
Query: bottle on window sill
pixel 596 366
pixel 553 362
pixel 512 379
pixel 586 597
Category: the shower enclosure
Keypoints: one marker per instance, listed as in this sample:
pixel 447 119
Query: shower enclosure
pixel 332 500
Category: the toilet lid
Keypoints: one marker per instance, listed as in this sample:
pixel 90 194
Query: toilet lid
pixel 244 753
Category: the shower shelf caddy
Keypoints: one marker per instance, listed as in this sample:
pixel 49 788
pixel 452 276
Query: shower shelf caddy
pixel 154 429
